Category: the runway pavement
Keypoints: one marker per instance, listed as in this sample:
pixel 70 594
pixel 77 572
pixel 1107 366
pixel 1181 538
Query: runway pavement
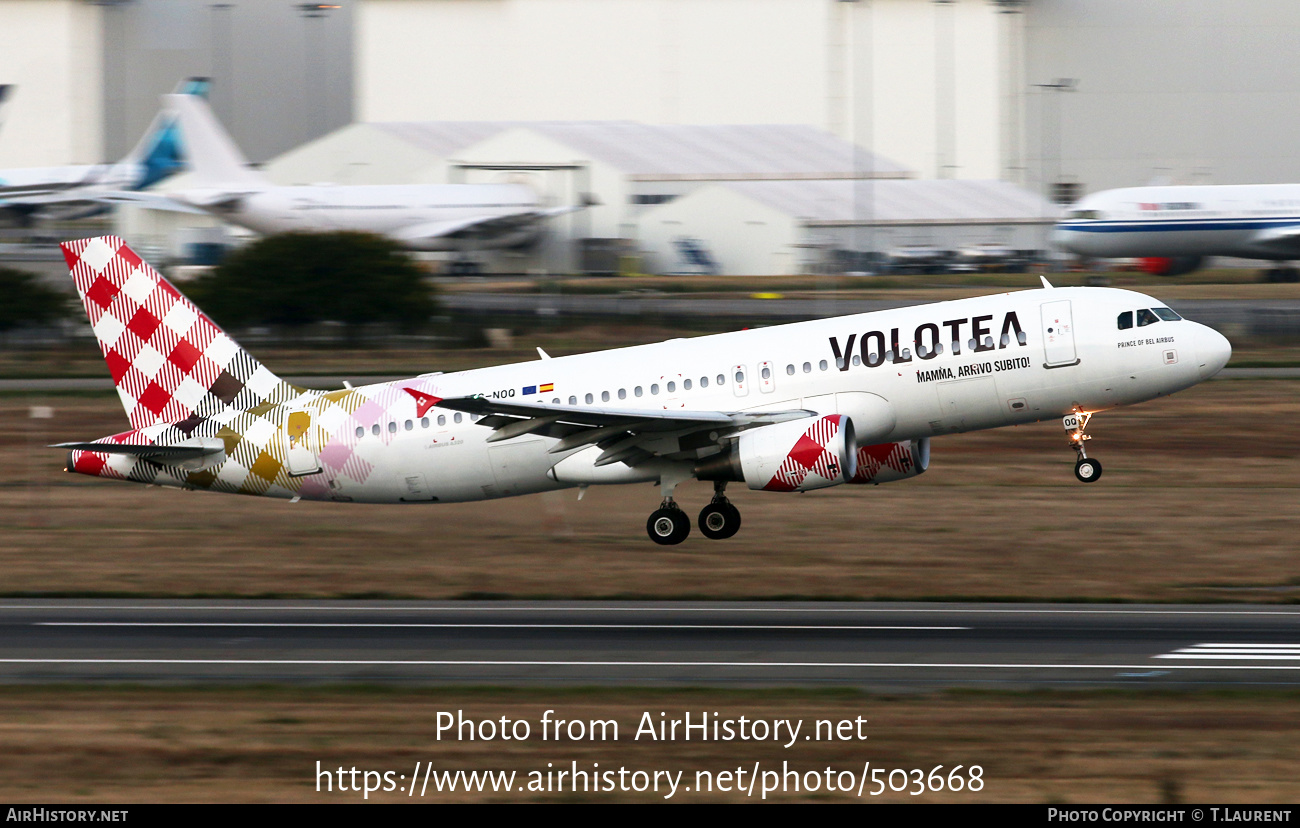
pixel 877 646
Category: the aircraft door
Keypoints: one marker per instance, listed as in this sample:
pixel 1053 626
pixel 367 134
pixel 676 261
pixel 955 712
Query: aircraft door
pixel 739 381
pixel 766 379
pixel 1058 334
pixel 300 443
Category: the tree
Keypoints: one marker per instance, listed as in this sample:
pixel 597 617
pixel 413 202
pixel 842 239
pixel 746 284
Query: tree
pixel 301 278
pixel 27 301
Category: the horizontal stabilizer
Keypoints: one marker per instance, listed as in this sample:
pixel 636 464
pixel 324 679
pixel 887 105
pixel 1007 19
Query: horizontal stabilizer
pixel 161 454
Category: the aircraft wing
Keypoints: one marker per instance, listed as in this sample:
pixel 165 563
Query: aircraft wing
pixel 481 227
pixel 145 198
pixel 1285 240
pixel 469 228
pixel 628 435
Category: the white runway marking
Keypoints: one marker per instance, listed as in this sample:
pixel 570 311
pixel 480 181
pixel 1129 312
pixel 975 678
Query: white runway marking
pixel 519 663
pixel 1238 652
pixel 483 626
pixel 649 609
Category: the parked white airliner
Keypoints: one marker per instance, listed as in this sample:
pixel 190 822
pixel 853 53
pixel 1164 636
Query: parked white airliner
pixel 79 190
pixel 1181 226
pixel 432 217
pixel 854 399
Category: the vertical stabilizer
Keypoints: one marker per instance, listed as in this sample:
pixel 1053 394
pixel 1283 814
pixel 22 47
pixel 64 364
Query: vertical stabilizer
pixel 214 159
pixel 160 152
pixel 169 361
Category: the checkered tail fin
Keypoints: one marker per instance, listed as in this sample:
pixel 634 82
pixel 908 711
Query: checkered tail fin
pixel 170 362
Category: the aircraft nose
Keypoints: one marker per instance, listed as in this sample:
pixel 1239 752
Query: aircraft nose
pixel 1212 351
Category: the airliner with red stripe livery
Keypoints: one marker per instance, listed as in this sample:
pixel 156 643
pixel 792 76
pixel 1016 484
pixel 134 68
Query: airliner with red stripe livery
pixel 792 408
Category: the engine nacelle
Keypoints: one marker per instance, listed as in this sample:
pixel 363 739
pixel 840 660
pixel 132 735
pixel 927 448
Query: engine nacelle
pixel 1176 266
pixel 884 462
pixel 799 455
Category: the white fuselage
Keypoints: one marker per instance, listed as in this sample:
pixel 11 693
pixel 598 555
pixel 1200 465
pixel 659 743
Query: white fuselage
pixel 20 182
pixel 410 213
pixel 1073 357
pixel 1256 221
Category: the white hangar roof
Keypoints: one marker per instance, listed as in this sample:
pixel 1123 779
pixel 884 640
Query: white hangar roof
pixel 935 201
pixel 676 152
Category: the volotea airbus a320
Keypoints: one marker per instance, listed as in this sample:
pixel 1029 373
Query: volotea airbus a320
pixel 854 399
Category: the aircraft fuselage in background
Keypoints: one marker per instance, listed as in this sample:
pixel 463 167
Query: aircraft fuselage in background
pixel 407 212
pixel 1186 223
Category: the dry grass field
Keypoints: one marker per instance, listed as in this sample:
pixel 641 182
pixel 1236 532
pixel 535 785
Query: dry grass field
pixel 262 744
pixel 1198 503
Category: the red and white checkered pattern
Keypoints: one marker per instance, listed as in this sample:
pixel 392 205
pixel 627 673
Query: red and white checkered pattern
pixel 884 457
pixel 168 359
pixel 809 455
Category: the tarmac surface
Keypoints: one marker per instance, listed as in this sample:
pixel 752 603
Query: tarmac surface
pixel 870 645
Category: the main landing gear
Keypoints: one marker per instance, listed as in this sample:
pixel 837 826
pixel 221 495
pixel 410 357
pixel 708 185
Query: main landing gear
pixel 668 525
pixel 719 519
pixel 1086 469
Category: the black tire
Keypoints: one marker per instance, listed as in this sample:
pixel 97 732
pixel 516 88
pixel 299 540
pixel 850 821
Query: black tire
pixel 1088 471
pixel 668 527
pixel 719 521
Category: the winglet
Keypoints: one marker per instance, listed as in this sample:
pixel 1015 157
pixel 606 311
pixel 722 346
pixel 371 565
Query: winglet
pixel 542 353
pixel 1046 283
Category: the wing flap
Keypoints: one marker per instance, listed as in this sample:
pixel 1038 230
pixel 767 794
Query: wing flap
pixel 627 435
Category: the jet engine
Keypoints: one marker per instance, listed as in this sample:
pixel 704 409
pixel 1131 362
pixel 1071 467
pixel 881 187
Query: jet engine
pixel 795 456
pixel 885 462
pixel 1176 266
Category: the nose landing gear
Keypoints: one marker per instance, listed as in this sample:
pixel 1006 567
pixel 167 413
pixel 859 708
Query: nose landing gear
pixel 1086 469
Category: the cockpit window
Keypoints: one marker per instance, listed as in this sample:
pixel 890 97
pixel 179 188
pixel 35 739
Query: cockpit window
pixel 1166 314
pixel 1146 317
pixel 1126 320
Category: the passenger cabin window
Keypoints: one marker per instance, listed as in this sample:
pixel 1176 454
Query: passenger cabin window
pixel 789 369
pixel 588 399
pixel 424 422
pixel 704 382
pixel 722 379
pixel 672 386
pixel 654 388
pixel 822 365
pixel 622 393
pixel 604 396
pixel 637 390
pixel 686 384
pixel 457 417
pixel 1146 317
pixel 807 367
pixel 1125 320
pixel 1166 314
pixel 573 400
pixel 442 419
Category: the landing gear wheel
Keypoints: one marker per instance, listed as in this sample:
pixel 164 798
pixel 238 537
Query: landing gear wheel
pixel 1087 470
pixel 719 520
pixel 668 526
